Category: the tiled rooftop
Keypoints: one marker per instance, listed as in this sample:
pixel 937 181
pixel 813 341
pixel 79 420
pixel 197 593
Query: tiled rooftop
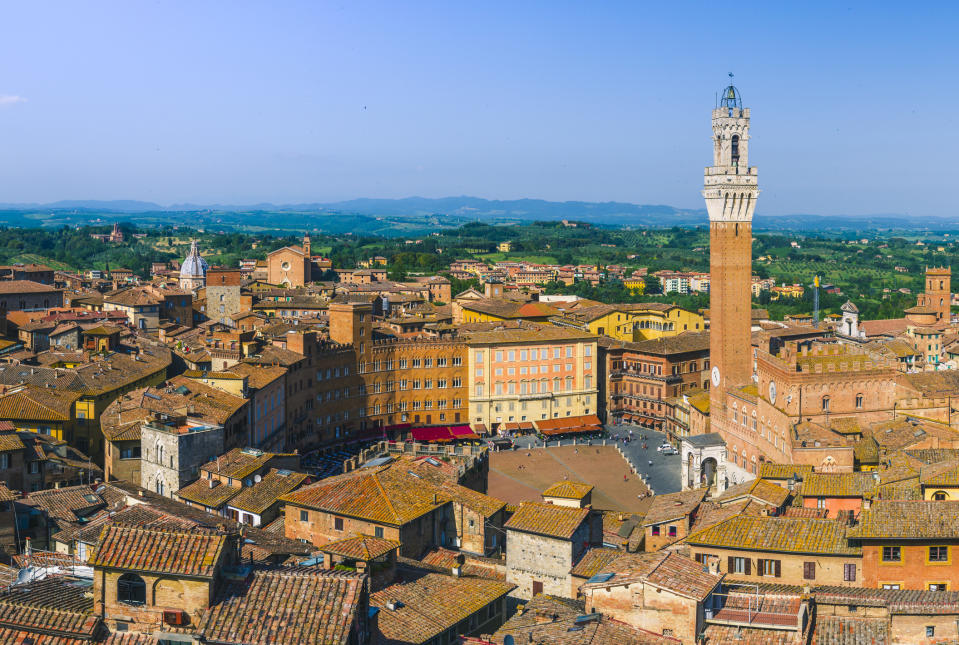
pixel 58 608
pixel 777 534
pixel 189 553
pixel 663 569
pixel 838 484
pixel 568 490
pixel 757 489
pixel 847 630
pixel 380 494
pixel 666 508
pixel 908 519
pixel 432 603
pixel 302 606
pixel 210 493
pixel 265 493
pixel 361 547
pixel 547 519
pixel 594 561
pixel 550 620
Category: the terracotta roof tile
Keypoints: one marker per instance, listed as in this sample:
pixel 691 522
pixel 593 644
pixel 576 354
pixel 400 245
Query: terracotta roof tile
pixel 673 506
pixel 751 635
pixel 908 520
pixel 303 606
pixel 51 611
pixel 210 493
pixel 595 561
pixel 432 604
pixel 548 619
pixel 847 630
pixel 838 485
pixel 190 553
pixel 383 494
pixel 266 492
pixel 547 519
pixel 777 534
pixel 757 489
pixel 568 490
pixel 67 504
pixel 361 547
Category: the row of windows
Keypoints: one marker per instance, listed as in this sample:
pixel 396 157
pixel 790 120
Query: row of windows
pixel 535 369
pixel 533 387
pixel 413 363
pixel 933 554
pixel 403 406
pixel 332 372
pixel 390 386
pixel 544 404
pixel 536 354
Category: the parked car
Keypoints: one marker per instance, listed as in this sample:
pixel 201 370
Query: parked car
pixel 670 451
pixel 665 446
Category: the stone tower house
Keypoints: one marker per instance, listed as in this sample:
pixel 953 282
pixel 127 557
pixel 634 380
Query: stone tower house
pixel 938 294
pixel 730 188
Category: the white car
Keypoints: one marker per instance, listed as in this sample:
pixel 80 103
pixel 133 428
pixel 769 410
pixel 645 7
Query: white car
pixel 670 451
pixel 666 446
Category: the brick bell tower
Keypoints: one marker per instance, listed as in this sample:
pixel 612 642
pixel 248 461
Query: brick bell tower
pixel 730 188
pixel 938 293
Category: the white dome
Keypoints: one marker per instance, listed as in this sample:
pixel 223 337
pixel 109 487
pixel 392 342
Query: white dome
pixel 194 266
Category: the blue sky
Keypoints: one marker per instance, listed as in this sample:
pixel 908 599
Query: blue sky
pixel 854 105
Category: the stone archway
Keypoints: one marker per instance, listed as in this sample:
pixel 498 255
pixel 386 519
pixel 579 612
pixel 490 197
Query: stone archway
pixel 707 472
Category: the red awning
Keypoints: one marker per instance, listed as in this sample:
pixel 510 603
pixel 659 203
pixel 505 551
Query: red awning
pixel 463 432
pixel 437 434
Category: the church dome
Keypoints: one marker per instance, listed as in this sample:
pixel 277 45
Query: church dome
pixel 194 266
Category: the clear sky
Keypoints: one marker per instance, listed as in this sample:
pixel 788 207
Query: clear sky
pixel 854 105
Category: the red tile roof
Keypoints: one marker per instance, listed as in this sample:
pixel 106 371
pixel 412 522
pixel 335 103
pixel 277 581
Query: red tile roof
pixel 187 553
pixel 301 606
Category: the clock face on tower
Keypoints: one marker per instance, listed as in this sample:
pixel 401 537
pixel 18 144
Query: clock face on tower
pixel 772 392
pixel 715 376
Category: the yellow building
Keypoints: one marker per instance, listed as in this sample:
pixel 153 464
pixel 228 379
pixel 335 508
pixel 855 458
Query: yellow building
pixel 632 322
pixel 940 482
pixel 40 410
pixel 636 286
pixel 504 247
pixel 786 291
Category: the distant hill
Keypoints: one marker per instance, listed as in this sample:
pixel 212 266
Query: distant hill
pixel 416 215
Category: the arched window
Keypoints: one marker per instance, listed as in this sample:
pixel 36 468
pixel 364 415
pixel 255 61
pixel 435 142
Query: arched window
pixel 825 404
pixel 131 589
pixel 735 150
pixel 940 496
pixel 859 401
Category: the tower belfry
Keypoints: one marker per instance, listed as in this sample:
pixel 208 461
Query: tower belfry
pixel 730 188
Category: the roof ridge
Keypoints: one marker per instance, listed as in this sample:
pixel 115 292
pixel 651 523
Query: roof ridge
pixel 379 485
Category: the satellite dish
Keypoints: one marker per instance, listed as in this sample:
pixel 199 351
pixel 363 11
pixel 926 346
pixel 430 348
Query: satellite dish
pixel 257 479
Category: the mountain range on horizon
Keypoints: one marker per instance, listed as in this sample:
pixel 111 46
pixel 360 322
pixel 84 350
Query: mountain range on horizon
pixel 465 207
